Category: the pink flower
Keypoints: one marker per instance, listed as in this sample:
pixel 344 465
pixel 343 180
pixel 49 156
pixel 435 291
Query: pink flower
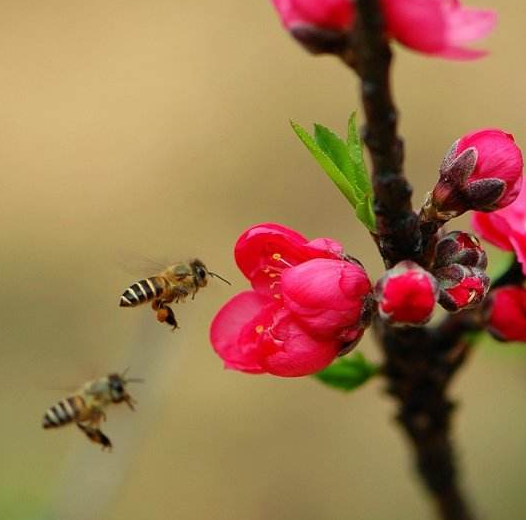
pixel 406 294
pixel 435 27
pixel 482 171
pixel 506 314
pixel 506 228
pixel 309 303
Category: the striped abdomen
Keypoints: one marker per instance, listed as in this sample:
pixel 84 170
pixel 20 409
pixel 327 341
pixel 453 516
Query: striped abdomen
pixel 65 411
pixel 143 291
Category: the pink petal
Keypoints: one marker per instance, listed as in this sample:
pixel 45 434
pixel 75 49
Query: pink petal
pixel 327 14
pixel 233 331
pixel 492 228
pixel 518 242
pixel 291 352
pixel 438 27
pixel 313 292
pixel 466 25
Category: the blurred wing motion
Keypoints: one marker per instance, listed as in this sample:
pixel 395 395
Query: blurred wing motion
pixel 86 408
pixel 173 283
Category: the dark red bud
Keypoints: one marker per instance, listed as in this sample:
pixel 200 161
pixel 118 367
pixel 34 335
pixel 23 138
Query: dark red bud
pixel 461 248
pixel 461 287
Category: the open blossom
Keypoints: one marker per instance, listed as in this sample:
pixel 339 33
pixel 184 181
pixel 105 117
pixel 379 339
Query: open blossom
pixel 406 294
pixel 505 228
pixel 309 303
pixel 506 314
pixel 482 171
pixel 436 27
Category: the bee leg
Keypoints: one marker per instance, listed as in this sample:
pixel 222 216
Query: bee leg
pixel 166 314
pixel 130 402
pixel 96 436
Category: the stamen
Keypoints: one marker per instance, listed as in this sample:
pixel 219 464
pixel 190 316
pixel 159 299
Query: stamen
pixel 277 296
pixel 472 296
pixel 277 257
pixel 260 329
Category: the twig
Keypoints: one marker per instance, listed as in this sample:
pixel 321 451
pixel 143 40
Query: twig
pixel 419 363
pixel 397 224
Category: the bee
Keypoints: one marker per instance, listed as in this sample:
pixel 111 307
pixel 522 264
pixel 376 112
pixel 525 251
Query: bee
pixel 86 407
pixel 175 283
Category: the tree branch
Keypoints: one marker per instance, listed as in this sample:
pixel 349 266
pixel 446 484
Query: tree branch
pixel 419 362
pixel 397 225
pixel 419 366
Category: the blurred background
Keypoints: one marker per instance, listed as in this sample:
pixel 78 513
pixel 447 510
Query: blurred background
pixel 161 128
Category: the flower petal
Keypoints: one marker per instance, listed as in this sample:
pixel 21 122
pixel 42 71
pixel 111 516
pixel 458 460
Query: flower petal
pixel 233 331
pixel 288 351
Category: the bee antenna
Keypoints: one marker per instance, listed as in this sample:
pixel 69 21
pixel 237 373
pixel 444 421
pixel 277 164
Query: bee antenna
pixel 215 275
pixel 135 380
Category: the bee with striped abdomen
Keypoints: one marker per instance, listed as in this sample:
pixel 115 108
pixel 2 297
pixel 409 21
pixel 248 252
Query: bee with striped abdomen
pixel 175 283
pixel 86 408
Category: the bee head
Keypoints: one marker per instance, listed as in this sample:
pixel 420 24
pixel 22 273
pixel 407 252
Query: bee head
pixel 117 386
pixel 200 272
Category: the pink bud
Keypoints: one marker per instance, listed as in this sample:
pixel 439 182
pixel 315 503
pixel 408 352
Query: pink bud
pixel 328 297
pixel 462 248
pixel 406 294
pixel 461 287
pixel 435 27
pixel 506 228
pixel 506 314
pixel 482 171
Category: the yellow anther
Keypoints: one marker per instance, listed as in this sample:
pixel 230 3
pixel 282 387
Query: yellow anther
pixel 273 275
pixel 260 329
pixel 277 296
pixel 472 296
pixel 276 256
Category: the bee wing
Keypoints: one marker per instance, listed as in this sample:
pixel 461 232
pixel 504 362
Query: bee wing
pixel 137 264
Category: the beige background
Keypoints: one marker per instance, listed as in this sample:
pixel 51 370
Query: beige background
pixel 161 127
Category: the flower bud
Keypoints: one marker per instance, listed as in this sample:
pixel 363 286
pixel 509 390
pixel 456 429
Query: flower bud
pixel 482 171
pixel 461 287
pixel 406 294
pixel 506 313
pixel 462 248
pixel 320 26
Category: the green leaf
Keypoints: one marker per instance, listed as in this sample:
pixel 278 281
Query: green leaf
pixel 348 373
pixel 365 213
pixel 355 151
pixel 336 149
pixel 327 163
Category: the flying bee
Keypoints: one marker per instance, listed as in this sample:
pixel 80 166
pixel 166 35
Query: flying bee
pixel 86 407
pixel 175 283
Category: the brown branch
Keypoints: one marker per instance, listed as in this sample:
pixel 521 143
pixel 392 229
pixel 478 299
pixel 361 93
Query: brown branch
pixel 397 224
pixel 419 362
pixel 419 366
